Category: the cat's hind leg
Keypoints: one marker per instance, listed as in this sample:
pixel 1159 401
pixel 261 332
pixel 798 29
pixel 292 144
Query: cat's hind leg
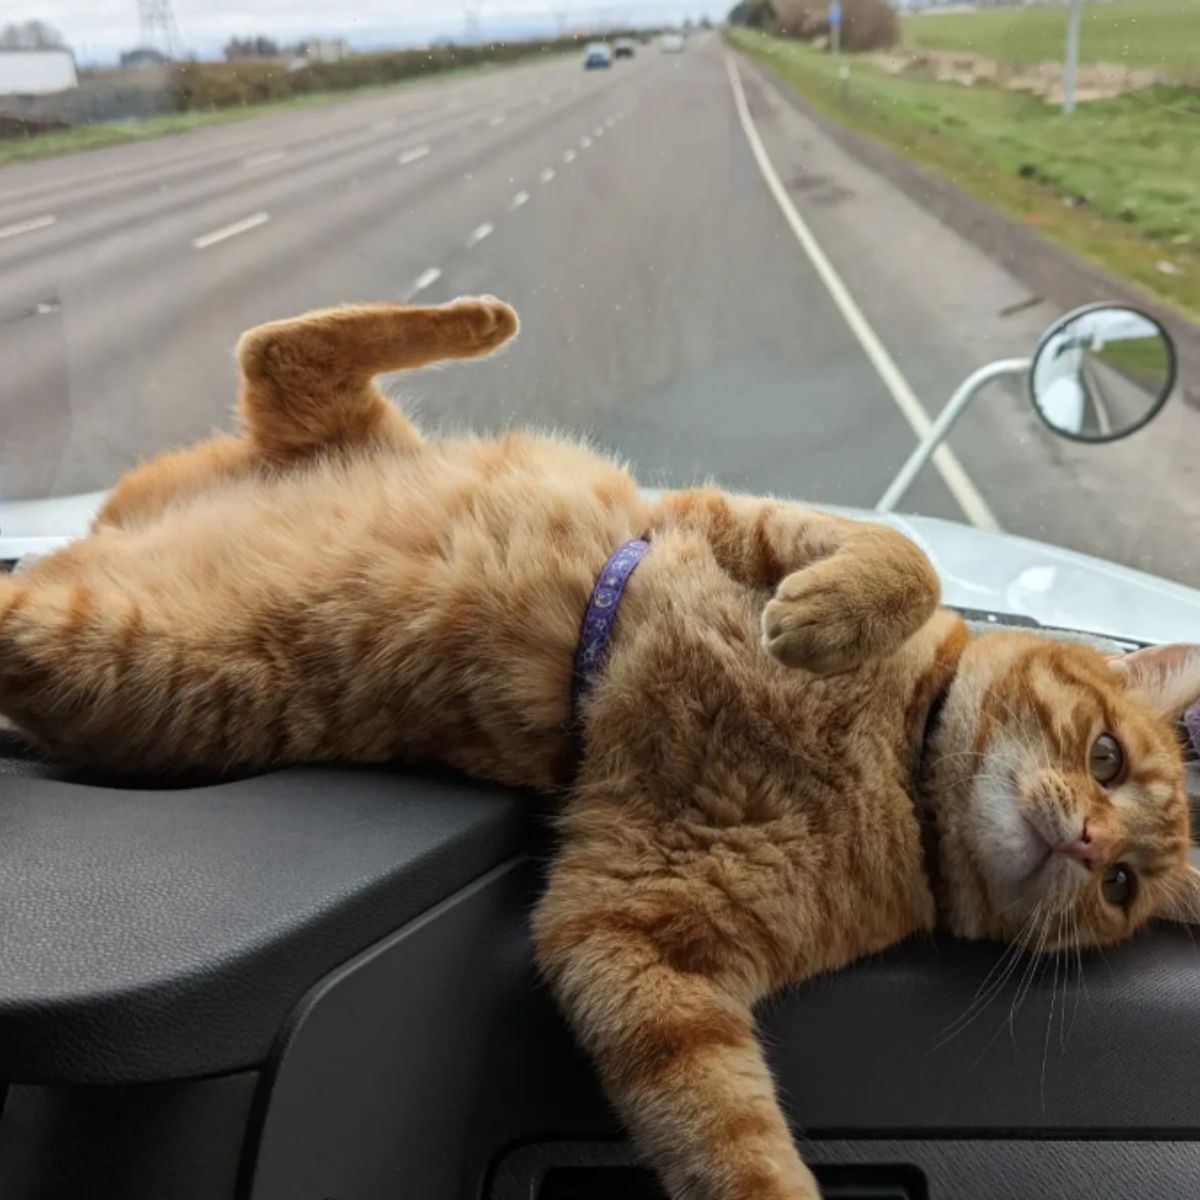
pixel 307 386
pixel 308 383
pixel 143 492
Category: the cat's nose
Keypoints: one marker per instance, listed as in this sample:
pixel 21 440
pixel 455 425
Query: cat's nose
pixel 1092 847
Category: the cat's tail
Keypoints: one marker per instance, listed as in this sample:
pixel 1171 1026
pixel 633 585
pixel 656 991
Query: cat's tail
pixel 99 678
pixel 58 672
pixel 307 383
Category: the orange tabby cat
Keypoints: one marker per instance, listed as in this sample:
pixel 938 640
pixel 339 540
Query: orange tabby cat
pixel 782 708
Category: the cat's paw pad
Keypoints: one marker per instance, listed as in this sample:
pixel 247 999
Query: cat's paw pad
pixel 484 322
pixel 807 626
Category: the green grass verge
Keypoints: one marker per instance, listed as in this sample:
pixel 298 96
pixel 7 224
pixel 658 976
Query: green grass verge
pixel 1164 34
pixel 1118 182
pixel 1143 359
pixel 116 133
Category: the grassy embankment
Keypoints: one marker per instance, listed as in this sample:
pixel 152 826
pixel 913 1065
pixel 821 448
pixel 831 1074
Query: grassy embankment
pixel 200 93
pixel 1118 181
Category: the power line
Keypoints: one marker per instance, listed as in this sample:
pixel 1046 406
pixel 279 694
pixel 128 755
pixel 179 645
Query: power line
pixel 471 9
pixel 158 28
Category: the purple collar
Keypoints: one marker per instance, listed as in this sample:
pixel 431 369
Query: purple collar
pixel 594 636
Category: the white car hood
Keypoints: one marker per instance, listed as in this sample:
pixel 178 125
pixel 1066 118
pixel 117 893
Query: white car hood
pixel 992 572
pixel 1003 573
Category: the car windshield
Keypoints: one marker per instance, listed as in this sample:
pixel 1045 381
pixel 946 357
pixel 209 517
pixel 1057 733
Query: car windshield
pixel 761 244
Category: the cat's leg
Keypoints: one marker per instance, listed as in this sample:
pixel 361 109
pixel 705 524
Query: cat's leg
pixel 53 684
pixel 118 681
pixel 846 591
pixel 143 492
pixel 307 383
pixel 662 1004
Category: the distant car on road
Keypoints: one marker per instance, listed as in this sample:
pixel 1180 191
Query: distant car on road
pixel 597 54
pixel 671 43
pixel 623 48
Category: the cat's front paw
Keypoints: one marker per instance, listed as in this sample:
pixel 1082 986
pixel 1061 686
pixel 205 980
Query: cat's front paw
pixel 819 622
pixel 804 632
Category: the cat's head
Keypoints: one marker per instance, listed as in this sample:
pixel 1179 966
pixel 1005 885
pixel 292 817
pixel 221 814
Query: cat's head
pixel 1057 778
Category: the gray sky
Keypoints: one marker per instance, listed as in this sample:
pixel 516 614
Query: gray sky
pixel 97 29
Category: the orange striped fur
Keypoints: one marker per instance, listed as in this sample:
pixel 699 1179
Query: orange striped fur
pixel 328 584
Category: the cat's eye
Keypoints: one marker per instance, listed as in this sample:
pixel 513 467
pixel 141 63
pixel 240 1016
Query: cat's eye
pixel 1118 885
pixel 1106 760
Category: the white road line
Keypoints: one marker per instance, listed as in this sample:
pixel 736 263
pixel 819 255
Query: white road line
pixel 228 231
pixel 609 122
pixel 380 126
pixel 426 278
pixel 519 199
pixel 27 226
pixel 547 174
pixel 261 160
pixel 568 156
pixel 545 100
pixel 584 142
pixel 598 131
pixel 498 120
pixel 956 479
pixel 412 154
pixel 479 233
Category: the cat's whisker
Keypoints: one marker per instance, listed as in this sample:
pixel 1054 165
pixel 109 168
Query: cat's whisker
pixel 1027 979
pixel 1050 1014
pixel 947 755
pixel 1022 729
pixel 1022 945
pixel 1067 951
pixel 1081 983
pixel 984 994
pixel 987 775
pixel 987 991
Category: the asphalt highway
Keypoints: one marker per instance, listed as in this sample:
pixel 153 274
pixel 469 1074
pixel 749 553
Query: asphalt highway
pixel 670 308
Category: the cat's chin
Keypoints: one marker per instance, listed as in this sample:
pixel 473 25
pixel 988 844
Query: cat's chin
pixel 1011 847
pixel 1029 873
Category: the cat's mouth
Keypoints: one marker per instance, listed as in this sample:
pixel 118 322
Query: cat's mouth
pixel 1038 848
pixel 1042 850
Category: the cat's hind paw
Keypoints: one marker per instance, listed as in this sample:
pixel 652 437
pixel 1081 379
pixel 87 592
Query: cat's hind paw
pixel 480 323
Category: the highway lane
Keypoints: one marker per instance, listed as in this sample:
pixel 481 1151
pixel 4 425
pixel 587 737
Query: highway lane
pixel 311 160
pixel 944 307
pixel 79 322
pixel 667 309
pixel 618 210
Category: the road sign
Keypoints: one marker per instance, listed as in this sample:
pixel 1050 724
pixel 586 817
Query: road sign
pixel 1074 12
pixel 834 14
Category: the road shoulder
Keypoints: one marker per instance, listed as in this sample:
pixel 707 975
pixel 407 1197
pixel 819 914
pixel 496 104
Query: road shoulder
pixel 1046 270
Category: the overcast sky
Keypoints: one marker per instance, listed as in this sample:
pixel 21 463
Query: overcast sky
pixel 97 29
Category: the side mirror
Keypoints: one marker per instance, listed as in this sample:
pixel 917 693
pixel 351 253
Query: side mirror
pixel 1102 372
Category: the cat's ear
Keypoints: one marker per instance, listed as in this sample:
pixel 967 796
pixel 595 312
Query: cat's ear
pixel 1168 677
pixel 1183 901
